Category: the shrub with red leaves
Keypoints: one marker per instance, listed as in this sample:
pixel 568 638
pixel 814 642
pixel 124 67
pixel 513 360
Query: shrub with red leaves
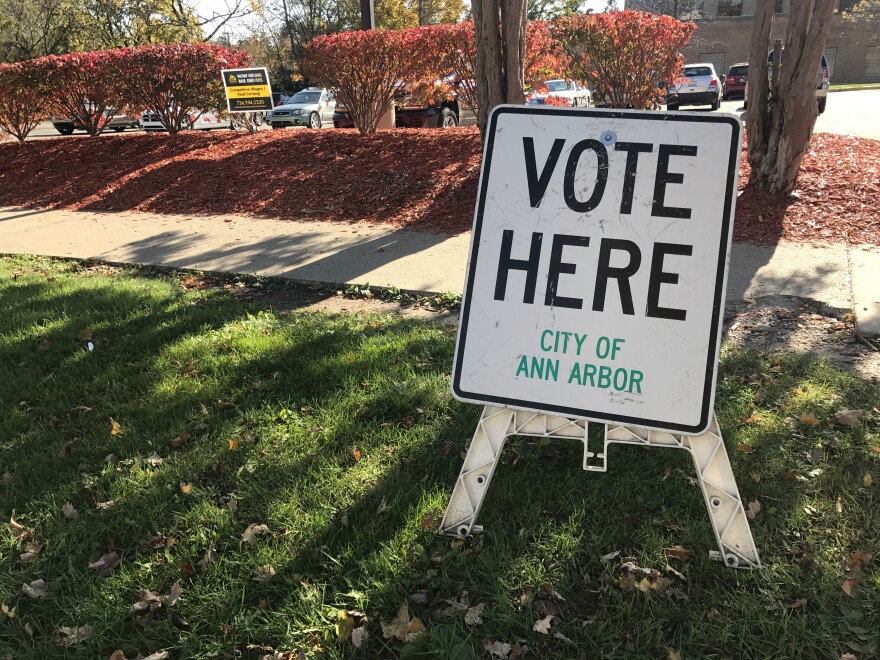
pixel 179 81
pixel 624 56
pixel 543 58
pixel 364 68
pixel 24 97
pixel 89 88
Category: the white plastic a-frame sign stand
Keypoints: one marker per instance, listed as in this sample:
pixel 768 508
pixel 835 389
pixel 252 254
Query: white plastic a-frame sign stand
pixel 595 291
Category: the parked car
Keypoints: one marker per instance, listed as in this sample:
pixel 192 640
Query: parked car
pixel 445 112
pixel 701 86
pixel 118 123
pixel 311 107
pixel 575 93
pixel 823 82
pixel 197 120
pixel 735 82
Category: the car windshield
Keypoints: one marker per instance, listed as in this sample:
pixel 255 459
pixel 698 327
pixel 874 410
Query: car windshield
pixel 305 97
pixel 739 70
pixel 556 85
pixel 697 71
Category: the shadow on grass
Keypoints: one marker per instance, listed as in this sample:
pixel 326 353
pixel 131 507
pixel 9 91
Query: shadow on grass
pixel 356 530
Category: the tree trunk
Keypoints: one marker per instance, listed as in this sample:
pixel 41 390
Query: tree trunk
pixel 500 31
pixel 513 25
pixel 779 136
pixel 489 68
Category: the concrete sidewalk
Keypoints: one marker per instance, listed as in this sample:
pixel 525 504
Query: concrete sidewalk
pixel 843 280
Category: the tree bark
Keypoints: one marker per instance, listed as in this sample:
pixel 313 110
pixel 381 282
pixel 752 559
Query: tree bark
pixel 784 131
pixel 758 115
pixel 500 31
pixel 489 64
pixel 513 22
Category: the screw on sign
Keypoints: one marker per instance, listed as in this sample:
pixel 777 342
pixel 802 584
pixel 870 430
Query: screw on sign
pixel 595 291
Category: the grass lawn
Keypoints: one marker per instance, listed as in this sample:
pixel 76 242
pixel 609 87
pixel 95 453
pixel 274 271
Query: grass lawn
pixel 275 479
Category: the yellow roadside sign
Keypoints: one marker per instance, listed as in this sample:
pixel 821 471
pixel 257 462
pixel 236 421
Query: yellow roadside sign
pixel 247 90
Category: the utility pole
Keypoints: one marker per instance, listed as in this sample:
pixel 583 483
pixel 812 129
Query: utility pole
pixel 368 15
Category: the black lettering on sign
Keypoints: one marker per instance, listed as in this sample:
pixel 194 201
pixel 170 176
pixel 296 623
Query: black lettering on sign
pixel 538 184
pixel 601 175
pixel 632 149
pixel 659 276
pixel 621 274
pixel 557 267
pixel 664 177
pixel 506 263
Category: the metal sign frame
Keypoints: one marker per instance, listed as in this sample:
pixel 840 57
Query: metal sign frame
pixel 736 547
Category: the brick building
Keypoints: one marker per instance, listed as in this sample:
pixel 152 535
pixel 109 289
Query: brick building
pixel 724 30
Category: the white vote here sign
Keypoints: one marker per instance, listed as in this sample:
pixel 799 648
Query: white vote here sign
pixel 595 284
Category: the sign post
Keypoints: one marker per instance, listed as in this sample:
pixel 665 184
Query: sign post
pixel 595 292
pixel 247 90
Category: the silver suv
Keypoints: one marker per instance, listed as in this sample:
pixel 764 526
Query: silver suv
pixel 311 107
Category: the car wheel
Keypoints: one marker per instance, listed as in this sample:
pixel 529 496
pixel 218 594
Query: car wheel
pixel 822 103
pixel 278 127
pixel 314 120
pixel 672 106
pixel 448 119
pixel 716 104
pixel 65 130
pixel 119 129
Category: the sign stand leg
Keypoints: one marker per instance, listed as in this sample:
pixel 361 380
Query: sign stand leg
pixel 736 545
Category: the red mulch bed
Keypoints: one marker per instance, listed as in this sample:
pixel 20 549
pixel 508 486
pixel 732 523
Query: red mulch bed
pixel 420 179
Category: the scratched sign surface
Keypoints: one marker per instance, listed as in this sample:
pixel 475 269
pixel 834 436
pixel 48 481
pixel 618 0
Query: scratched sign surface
pixel 596 277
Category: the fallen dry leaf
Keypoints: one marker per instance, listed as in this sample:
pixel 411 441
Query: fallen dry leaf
pixel 867 480
pixel 174 594
pixel 672 654
pixel 401 627
pixel 31 550
pixel 383 507
pixel 357 454
pixel 848 585
pixel 715 616
pixel 179 440
pixel 851 418
pixel 115 427
pixel 497 649
pixel 71 636
pixel 359 636
pixel 254 530
pixel 233 444
pixel 84 335
pixel 7 611
pixel 344 626
pixel 754 509
pixel 815 455
pixel 543 625
pixel 677 552
pixel 407 422
pixel 36 589
pixel 185 487
pixel 264 573
pixel 69 511
pixel 106 564
pixel 744 448
pixel 808 419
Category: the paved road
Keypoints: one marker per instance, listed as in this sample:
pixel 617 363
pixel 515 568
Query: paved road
pixel 848 113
